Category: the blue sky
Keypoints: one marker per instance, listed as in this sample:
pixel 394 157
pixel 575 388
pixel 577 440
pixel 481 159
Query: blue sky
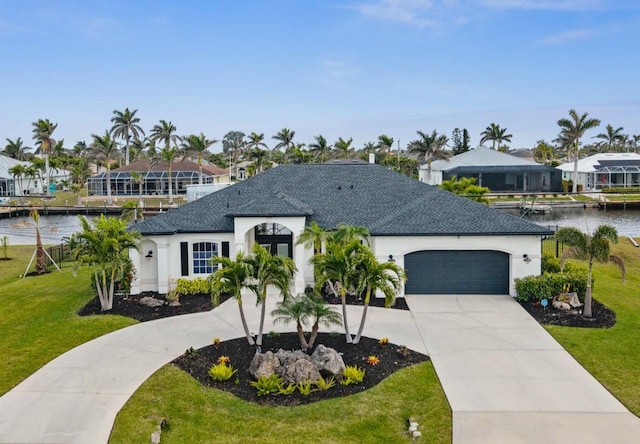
pixel 348 68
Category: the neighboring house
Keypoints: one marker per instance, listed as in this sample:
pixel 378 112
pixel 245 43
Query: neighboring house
pixel 17 186
pixel 446 244
pixel 155 178
pixel 605 170
pixel 498 171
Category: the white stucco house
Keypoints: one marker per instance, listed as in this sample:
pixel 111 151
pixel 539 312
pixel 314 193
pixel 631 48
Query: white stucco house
pixel 605 170
pixel 446 244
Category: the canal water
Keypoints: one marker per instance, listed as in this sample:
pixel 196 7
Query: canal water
pixel 20 231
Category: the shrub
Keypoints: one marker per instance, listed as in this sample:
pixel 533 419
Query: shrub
pixel 550 263
pixel 373 360
pixel 287 390
pixel 222 372
pixel 192 286
pixel 266 385
pixel 547 285
pixel 352 375
pixel 325 384
pixel 305 388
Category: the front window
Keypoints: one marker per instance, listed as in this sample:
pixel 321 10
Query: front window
pixel 202 253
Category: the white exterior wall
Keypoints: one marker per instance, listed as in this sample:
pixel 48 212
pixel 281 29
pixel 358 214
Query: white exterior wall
pixel 515 246
pixel 436 176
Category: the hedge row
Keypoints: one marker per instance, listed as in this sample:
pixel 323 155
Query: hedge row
pixel 193 286
pixel 548 285
pixel 621 190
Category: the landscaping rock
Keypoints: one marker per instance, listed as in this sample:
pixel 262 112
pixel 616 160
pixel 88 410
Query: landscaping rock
pixel 327 361
pixel 569 298
pixel 299 371
pixel 264 364
pixel 148 301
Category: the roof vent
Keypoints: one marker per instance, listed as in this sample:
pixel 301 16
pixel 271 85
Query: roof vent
pixel 351 187
pixel 339 187
pixel 372 158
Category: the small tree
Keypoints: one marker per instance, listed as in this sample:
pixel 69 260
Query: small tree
pixel 5 246
pixel 592 248
pixel 105 247
pixel 466 187
pixel 41 267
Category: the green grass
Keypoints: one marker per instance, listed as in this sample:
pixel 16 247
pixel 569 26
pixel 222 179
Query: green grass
pixel 611 355
pixel 38 319
pixel 200 414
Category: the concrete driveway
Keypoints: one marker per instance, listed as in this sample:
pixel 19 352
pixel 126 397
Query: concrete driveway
pixel 508 381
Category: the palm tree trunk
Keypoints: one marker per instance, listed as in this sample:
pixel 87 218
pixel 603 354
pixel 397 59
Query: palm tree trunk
pixel 574 189
pixel 170 179
pixel 109 201
pixel 364 317
pixel 263 311
pixel 343 295
pixel 46 173
pixel 314 335
pixel 303 340
pixel 586 312
pixel 126 149
pixel 244 324
pixel 199 169
pixel 40 265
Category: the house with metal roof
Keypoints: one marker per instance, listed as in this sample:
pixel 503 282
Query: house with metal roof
pixel 498 171
pixel 447 244
pixel 605 170
pixel 154 179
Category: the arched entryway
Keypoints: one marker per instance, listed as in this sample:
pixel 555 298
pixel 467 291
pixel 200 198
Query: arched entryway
pixel 276 238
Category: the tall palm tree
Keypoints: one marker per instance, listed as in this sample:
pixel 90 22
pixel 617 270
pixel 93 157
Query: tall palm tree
pixel 125 125
pixel 42 131
pixel 166 132
pixel 612 138
pixel 348 233
pixel 496 135
pixel 284 138
pixel 256 149
pixel 18 172
pixel 387 277
pixel 231 277
pixel 259 157
pixel 343 147
pixel 169 155
pixel 269 270
pixel 543 152
pixel 385 143
pixel 596 247
pixel 16 149
pixel 80 149
pixel 320 149
pixel 104 149
pixel 571 130
pixel 198 145
pixel 428 147
pixel 233 144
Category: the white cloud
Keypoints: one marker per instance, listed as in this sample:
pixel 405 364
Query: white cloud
pixel 578 34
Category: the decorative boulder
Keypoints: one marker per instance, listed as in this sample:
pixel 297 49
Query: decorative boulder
pixel 569 298
pixel 327 361
pixel 148 301
pixel 264 364
pixel 299 371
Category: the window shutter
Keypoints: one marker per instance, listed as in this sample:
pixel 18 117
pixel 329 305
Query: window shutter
pixel 225 249
pixel 184 258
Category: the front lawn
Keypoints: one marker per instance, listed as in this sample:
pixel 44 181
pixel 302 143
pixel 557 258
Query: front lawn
pixel 38 319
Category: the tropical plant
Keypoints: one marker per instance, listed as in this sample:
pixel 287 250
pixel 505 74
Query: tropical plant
pixel 496 135
pixel 233 145
pixel 16 149
pixel 325 384
pixel 198 146
pixel 321 313
pixel 460 141
pixel 466 187
pixel 386 277
pixel 169 155
pixel 348 233
pixel 571 130
pixel 5 246
pixel 165 132
pixel 42 132
pixel 352 375
pixel 385 143
pixel 125 125
pixel 231 277
pixel 284 138
pixel 104 149
pixel 320 149
pixel 543 152
pixel 428 147
pixel 41 267
pixel 105 247
pixel 342 147
pixel 268 270
pixel 221 372
pixel 595 247
pixel 612 138
pixel 266 385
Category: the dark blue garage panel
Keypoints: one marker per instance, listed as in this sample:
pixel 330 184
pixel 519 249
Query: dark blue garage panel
pixel 457 272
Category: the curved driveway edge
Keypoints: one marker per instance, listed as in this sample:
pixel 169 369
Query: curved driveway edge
pixel 74 399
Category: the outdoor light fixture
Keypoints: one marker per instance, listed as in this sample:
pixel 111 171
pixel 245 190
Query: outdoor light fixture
pixel 149 254
pixel 391 259
pixel 526 258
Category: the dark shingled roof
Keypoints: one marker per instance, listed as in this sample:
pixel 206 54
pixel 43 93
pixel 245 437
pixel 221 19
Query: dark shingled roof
pixel 385 202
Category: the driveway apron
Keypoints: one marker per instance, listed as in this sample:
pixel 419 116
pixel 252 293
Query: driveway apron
pixel 508 381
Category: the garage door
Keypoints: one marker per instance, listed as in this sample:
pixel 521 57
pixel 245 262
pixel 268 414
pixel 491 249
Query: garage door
pixel 457 272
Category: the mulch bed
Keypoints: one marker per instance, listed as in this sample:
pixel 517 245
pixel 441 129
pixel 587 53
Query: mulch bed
pixel 602 317
pixel 392 358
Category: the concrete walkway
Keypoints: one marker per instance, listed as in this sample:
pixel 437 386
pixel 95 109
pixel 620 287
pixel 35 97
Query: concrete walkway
pixel 506 379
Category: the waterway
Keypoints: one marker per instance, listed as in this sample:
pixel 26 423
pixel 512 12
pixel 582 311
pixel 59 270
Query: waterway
pixel 20 231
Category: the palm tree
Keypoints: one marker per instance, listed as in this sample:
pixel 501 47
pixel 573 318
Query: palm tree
pixel 169 154
pixel 428 147
pixel 104 149
pixel 284 138
pixel 231 277
pixel 42 131
pixel 385 143
pixel 16 149
pixel 338 264
pixel 321 313
pixel 374 275
pixel 165 132
pixel 18 172
pixel 611 138
pixel 125 125
pixel 596 247
pixel 198 145
pixel 257 150
pixel 80 149
pixel 269 270
pixel 41 267
pixel 348 233
pixel 259 156
pixel 571 131
pixel 496 135
pixel 343 147
pixel 105 246
pixel 320 148
pixel 543 152
pixel 233 144
pixel 295 308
